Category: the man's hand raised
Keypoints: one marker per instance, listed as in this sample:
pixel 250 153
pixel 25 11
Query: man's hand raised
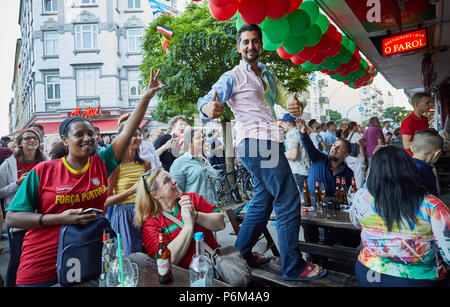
pixel 213 109
pixel 295 107
pixel 301 125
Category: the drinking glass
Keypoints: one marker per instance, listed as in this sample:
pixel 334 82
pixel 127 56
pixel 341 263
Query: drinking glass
pixel 130 274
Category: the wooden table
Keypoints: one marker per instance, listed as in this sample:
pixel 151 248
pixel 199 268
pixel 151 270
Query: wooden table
pixel 328 218
pixel 148 274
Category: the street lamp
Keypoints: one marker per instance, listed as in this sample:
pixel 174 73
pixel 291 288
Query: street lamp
pixel 331 96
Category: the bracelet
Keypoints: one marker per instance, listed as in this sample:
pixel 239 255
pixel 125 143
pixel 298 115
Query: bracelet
pixel 41 222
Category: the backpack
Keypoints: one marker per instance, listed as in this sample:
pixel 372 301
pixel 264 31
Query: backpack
pixel 354 147
pixel 80 251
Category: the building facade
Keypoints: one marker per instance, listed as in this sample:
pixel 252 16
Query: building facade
pixel 77 56
pixel 317 100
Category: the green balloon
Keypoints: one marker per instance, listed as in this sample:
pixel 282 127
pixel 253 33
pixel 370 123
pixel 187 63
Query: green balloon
pixel 352 85
pixel 361 72
pixel 235 15
pixel 351 47
pixel 343 57
pixel 262 25
pixel 351 77
pixel 276 30
pixel 299 23
pixel 323 23
pixel 345 41
pixel 268 45
pixel 339 77
pixel 313 36
pixel 310 7
pixel 239 23
pixel 327 62
pixel 307 65
pixel 333 65
pixel 364 63
pixel 294 45
pixel 320 66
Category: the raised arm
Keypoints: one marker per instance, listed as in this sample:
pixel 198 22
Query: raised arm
pixel 121 142
pixel 310 149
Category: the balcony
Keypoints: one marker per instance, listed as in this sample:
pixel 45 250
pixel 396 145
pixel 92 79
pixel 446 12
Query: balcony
pixel 324 100
pixel 323 83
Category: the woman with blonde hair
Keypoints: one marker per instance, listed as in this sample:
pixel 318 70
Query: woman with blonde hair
pixel 156 193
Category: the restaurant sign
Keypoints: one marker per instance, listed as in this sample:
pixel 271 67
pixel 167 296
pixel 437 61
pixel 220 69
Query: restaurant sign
pixel 88 113
pixel 404 42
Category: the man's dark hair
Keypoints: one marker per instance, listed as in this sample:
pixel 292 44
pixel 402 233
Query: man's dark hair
pixel 395 185
pixel 96 128
pixel 347 144
pixel 323 125
pixel 40 127
pixel 373 120
pixel 311 123
pixel 330 123
pixel 245 28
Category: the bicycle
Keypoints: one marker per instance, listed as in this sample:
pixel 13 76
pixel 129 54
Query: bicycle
pixel 226 191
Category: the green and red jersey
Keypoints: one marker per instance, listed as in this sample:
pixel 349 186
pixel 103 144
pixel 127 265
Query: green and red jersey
pixel 53 187
pixel 150 230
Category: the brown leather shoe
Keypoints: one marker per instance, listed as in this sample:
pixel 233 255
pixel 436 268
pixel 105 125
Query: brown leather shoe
pixel 258 260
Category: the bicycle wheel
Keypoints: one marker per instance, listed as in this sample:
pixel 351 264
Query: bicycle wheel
pixel 223 191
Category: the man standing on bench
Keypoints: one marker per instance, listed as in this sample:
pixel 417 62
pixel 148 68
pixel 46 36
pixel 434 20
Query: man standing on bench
pixel 251 92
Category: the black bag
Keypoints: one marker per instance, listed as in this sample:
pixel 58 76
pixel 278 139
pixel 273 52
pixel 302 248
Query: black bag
pixel 354 147
pixel 80 251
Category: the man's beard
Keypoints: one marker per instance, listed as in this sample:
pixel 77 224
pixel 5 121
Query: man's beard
pixel 252 59
pixel 334 158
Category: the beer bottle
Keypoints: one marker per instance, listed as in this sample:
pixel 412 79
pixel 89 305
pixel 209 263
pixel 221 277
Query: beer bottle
pixel 344 191
pixel 163 259
pixel 318 197
pixel 338 190
pixel 354 188
pixel 306 195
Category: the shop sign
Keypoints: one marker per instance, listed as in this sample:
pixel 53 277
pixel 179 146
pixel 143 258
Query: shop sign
pixel 404 42
pixel 88 113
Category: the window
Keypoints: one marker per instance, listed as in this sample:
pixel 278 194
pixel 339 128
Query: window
pixel 135 85
pixel 51 43
pixel 86 36
pixel 50 6
pixel 134 40
pixel 134 4
pixel 78 2
pixel 52 91
pixel 87 82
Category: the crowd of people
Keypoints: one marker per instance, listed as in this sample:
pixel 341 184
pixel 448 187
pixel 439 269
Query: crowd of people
pixel 134 178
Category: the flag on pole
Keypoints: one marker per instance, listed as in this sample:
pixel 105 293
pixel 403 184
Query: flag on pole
pixel 158 8
pixel 164 30
pixel 165 44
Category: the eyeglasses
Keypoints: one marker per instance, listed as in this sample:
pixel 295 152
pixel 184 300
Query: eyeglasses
pixel 29 138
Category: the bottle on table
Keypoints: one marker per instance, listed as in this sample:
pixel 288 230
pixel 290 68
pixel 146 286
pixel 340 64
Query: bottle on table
pixel 318 197
pixel 354 189
pixel 108 255
pixel 201 270
pixel 306 195
pixel 163 259
pixel 344 191
pixel 339 193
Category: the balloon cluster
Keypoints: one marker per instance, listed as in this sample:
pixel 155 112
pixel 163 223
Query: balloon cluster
pixel 298 31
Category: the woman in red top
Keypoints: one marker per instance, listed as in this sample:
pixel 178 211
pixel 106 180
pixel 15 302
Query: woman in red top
pixel 158 192
pixel 12 173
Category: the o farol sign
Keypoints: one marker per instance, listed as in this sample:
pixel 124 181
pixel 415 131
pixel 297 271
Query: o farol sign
pixel 89 112
pixel 404 42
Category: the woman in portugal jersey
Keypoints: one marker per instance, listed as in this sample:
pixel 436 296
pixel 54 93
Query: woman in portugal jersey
pixel 55 192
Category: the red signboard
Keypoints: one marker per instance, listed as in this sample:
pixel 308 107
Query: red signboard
pixel 404 42
pixel 89 112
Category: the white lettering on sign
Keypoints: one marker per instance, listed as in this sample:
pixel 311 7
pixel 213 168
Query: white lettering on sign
pixel 374 13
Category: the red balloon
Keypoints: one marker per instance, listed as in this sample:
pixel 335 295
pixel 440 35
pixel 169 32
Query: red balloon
pixel 331 73
pixel 333 50
pixel 295 4
pixel 220 3
pixel 296 60
pixel 307 53
pixel 252 11
pixel 223 13
pixel 324 45
pixel 357 55
pixel 283 54
pixel 276 9
pixel 317 59
pixel 325 71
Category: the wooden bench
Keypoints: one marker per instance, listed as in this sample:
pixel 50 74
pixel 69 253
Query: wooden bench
pixel 343 253
pixel 236 222
pixel 270 275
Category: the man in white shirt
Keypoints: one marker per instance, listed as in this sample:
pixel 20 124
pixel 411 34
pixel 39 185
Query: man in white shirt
pixel 295 153
pixel 387 127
